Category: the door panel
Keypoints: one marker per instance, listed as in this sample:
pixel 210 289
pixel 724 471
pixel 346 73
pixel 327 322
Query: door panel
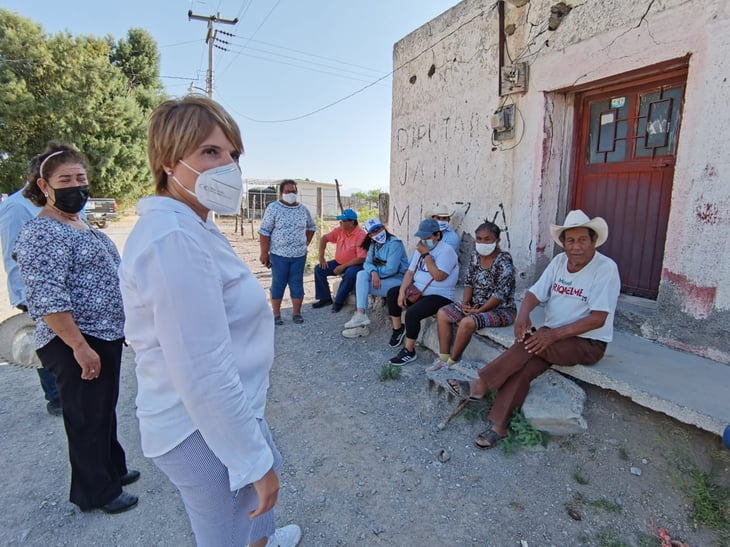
pixel 627 139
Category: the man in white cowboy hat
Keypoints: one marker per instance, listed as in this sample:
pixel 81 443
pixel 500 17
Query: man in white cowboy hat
pixel 442 215
pixel 579 288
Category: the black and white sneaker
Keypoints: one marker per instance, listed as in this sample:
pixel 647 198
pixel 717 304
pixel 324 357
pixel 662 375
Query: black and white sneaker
pixel 404 356
pixel 397 338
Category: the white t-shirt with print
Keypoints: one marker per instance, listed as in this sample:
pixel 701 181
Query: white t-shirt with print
pixel 572 296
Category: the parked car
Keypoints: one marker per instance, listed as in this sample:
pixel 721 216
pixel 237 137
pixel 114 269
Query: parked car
pixel 100 210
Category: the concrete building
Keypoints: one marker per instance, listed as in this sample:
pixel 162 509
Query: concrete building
pixel 519 111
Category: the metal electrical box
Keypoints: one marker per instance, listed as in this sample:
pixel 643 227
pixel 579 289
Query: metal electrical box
pixel 503 123
pixel 514 79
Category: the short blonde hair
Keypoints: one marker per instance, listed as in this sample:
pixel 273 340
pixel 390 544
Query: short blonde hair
pixel 178 126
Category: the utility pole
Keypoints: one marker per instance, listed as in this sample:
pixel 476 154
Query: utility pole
pixel 210 39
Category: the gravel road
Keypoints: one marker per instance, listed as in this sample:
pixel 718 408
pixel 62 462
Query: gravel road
pixel 365 464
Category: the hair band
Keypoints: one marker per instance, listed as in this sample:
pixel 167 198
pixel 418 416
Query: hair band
pixel 48 157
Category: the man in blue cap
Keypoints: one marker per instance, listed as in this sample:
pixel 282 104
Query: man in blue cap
pixel 349 258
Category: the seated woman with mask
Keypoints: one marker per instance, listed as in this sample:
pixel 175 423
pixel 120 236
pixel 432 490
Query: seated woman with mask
pixel 384 266
pixel 434 271
pixel 488 300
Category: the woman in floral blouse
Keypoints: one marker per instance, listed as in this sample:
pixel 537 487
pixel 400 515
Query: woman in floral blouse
pixel 72 288
pixel 488 297
pixel 285 233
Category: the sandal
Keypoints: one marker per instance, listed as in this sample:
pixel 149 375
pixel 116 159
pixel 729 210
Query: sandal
pixel 462 389
pixel 298 319
pixel 278 320
pixel 487 439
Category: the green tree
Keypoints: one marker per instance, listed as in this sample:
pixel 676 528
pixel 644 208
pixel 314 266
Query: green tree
pixel 86 90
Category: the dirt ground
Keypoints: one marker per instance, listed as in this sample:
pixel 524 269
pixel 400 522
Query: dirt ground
pixel 364 463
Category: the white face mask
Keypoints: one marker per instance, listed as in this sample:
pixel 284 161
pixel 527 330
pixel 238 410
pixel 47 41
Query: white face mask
pixel 291 199
pixel 219 189
pixel 379 238
pixel 485 249
pixel 443 225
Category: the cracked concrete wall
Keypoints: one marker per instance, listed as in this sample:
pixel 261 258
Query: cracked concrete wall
pixel 441 149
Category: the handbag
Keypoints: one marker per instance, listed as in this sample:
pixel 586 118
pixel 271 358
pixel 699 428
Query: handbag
pixel 412 293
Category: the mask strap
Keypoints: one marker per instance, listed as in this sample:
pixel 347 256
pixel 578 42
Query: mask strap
pixel 180 184
pixel 186 165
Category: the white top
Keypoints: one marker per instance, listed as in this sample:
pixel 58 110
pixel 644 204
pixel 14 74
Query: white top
pixel 572 296
pixel 203 335
pixel 446 260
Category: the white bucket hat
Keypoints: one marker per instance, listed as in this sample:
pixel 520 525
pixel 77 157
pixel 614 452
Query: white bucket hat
pixel 439 211
pixel 578 219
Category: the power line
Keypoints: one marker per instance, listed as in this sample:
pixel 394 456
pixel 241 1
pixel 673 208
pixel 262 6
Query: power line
pixel 300 51
pixel 314 63
pixel 254 32
pixel 371 84
pixel 302 67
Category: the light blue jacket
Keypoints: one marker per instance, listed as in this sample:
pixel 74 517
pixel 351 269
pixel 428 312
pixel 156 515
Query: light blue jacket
pixel 393 253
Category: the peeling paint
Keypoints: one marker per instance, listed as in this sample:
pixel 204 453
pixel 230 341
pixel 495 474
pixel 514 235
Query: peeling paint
pixel 697 301
pixel 708 213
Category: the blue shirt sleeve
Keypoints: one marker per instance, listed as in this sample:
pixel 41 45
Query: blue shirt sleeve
pixel 13 217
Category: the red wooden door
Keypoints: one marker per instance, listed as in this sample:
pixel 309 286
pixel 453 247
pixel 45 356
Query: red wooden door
pixel 624 167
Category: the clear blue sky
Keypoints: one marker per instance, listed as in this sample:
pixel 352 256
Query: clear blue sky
pixel 288 58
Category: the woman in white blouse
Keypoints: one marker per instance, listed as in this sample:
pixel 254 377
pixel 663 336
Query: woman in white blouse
pixel 202 331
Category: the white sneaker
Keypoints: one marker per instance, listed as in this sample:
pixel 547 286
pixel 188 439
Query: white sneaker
pixel 287 536
pixel 356 332
pixel 438 364
pixel 358 320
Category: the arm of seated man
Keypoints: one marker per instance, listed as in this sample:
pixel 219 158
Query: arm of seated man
pixel 544 337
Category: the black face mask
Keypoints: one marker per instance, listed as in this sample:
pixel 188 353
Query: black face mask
pixel 71 200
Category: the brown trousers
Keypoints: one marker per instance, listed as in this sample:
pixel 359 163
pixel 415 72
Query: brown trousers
pixel 510 374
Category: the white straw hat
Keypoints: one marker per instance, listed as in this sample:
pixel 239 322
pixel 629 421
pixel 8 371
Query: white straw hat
pixel 578 219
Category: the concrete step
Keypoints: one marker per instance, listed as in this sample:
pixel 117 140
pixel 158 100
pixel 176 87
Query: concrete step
pixel 689 388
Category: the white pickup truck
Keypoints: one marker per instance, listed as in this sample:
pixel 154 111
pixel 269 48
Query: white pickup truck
pixel 100 210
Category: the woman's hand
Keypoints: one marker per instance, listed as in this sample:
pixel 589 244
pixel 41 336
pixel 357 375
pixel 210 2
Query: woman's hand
pixel 374 280
pixel 402 302
pixel 89 362
pixel 267 489
pixel 421 247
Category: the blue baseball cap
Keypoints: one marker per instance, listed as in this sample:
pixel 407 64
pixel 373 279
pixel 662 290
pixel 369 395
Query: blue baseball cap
pixel 347 214
pixel 427 228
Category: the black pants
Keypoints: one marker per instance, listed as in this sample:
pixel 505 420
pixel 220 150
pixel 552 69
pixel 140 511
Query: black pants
pixel 89 415
pixel 424 307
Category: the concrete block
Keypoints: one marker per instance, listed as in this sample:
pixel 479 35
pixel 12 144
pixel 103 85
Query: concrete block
pixel 555 405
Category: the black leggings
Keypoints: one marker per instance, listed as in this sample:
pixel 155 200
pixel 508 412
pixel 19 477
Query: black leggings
pixel 424 307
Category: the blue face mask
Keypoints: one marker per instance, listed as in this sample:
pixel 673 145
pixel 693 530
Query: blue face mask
pixel 430 243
